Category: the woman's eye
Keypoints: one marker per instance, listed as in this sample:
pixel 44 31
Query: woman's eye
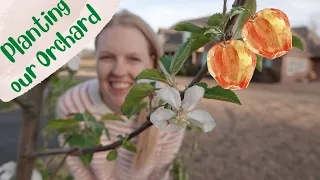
pixel 134 59
pixel 105 58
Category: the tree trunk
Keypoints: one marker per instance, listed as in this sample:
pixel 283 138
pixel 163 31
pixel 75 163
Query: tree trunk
pixel 30 130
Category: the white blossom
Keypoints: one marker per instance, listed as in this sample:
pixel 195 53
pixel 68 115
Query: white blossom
pixel 183 113
pixel 74 63
pixel 8 170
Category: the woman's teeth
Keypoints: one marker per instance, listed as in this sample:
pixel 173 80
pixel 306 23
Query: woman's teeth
pixel 120 85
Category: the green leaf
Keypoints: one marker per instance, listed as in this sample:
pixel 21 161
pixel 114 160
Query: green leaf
pixel 83 142
pixel 189 27
pixel 215 33
pixel 198 43
pixel 189 128
pixel 240 39
pixel 215 20
pixel 164 63
pixel 180 56
pixel 297 42
pixel 61 126
pixel 237 10
pixel 89 116
pixel 152 74
pixel 106 130
pixel 112 155
pixel 127 144
pixel 222 94
pixel 160 102
pixel 214 30
pixel 198 129
pixel 202 84
pixel 136 94
pixel 251 6
pixel 153 83
pixel 112 117
pixel 219 93
pixel 86 160
pixel 137 108
pixel 197 35
pixel 259 62
pixel 77 116
pixel 98 128
pixel 54 79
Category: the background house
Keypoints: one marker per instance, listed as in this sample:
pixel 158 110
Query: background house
pixel 295 66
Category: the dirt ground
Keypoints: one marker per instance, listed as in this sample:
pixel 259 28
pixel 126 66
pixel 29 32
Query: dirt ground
pixel 274 135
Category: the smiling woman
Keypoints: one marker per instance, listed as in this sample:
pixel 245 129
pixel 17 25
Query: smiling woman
pixel 124 48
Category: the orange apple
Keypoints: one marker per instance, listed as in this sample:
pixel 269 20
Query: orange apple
pixel 268 33
pixel 231 64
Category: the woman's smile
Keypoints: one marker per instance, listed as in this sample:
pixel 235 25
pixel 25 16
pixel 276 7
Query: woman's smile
pixel 120 87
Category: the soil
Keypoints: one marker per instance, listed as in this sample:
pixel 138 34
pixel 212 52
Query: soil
pixel 273 135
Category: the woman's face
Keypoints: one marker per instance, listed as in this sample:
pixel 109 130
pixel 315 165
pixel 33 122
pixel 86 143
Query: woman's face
pixel 122 53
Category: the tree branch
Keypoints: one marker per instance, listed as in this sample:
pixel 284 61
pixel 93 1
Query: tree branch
pixel 233 20
pixel 76 151
pixel 24 104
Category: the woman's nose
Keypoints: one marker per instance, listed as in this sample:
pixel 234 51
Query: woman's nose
pixel 119 68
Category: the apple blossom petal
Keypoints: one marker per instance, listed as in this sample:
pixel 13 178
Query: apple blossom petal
pixel 202 119
pixel 171 96
pixel 192 97
pixel 160 116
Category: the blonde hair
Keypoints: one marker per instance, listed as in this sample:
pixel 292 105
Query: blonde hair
pixel 147 140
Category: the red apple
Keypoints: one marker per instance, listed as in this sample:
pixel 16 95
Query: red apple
pixel 231 64
pixel 268 33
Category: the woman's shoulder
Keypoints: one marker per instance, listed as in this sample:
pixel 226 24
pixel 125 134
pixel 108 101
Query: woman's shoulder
pixel 77 98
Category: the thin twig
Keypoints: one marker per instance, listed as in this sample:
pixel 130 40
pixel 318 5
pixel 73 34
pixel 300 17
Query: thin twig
pixel 64 144
pixel 76 151
pixel 59 166
pixel 233 20
pixel 203 71
pixel 224 8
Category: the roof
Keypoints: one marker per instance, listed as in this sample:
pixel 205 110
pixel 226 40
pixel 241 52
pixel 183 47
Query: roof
pixel 198 21
pixel 310 38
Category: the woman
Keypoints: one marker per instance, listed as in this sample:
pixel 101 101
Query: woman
pixel 124 48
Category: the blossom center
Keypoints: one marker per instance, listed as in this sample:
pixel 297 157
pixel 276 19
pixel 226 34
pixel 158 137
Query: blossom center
pixel 182 119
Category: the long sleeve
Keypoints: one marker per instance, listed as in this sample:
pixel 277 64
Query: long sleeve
pixel 76 168
pixel 169 146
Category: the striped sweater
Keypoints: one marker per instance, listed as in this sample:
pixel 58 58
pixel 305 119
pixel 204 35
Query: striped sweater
pixel 86 96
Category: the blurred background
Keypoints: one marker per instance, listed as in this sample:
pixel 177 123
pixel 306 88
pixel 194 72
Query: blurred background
pixel 273 135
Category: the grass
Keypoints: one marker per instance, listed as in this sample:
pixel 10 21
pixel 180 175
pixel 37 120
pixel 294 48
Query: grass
pixel 6 105
pixel 67 84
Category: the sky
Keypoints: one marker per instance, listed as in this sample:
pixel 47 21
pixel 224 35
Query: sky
pixel 165 13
